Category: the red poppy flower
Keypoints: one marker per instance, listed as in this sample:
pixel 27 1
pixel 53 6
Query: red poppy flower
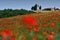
pixel 6 33
pixel 52 25
pixel 50 37
pixel 44 33
pixel 36 29
pixel 23 37
pixel 30 20
pixel 12 38
pixel 34 38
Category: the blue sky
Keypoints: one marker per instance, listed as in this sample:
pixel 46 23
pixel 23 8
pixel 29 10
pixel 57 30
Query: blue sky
pixel 27 4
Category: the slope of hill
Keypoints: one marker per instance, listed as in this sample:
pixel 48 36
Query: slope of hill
pixel 47 22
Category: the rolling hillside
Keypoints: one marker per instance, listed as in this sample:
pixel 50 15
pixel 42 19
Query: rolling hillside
pixel 46 23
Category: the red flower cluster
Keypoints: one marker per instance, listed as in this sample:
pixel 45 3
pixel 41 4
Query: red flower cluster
pixel 52 25
pixel 12 39
pixel 23 37
pixel 34 38
pixel 50 37
pixel 30 20
pixel 44 33
pixel 36 29
pixel 6 33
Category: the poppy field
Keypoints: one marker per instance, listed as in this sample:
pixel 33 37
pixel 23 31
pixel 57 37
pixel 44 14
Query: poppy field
pixel 38 26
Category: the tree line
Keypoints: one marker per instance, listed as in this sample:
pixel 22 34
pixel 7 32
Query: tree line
pixel 10 12
pixel 35 7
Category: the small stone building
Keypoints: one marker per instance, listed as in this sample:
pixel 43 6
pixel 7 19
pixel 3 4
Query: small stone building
pixel 37 8
pixel 50 9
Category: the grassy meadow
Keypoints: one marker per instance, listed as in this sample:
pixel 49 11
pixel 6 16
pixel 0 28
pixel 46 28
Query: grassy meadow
pixel 34 26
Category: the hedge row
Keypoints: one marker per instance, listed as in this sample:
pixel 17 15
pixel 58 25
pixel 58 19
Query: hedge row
pixel 9 12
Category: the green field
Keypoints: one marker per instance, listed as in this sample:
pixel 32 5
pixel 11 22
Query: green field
pixel 34 26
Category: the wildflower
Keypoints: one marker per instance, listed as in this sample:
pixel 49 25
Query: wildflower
pixel 23 37
pixel 50 37
pixel 34 38
pixel 6 33
pixel 12 39
pixel 44 33
pixel 30 20
pixel 52 25
pixel 36 29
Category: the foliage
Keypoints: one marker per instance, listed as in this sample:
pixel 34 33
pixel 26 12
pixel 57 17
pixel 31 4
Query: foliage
pixel 10 12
